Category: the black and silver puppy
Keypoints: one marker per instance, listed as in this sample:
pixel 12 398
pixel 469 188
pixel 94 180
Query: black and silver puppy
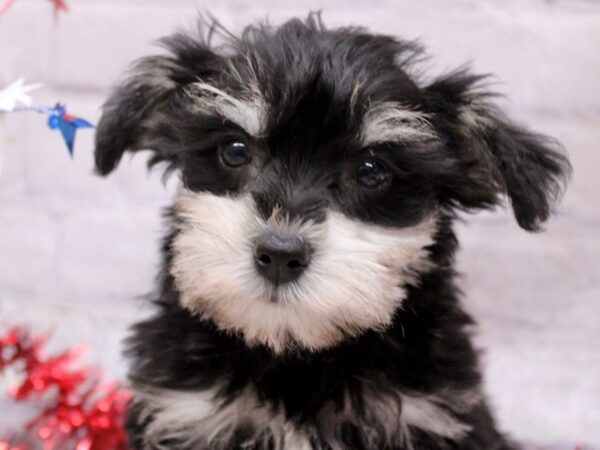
pixel 307 297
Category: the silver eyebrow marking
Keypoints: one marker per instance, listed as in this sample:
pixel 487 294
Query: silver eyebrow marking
pixel 392 121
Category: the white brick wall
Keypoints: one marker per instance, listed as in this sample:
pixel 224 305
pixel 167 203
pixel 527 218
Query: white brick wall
pixel 77 251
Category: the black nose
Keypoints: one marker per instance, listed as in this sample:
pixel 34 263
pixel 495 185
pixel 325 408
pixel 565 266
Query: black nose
pixel 281 259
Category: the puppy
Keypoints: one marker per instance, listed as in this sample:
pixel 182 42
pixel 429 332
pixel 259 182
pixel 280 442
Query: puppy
pixel 307 297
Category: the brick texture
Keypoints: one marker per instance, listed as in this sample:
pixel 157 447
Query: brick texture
pixel 77 252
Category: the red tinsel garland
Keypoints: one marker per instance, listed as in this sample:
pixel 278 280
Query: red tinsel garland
pixel 78 411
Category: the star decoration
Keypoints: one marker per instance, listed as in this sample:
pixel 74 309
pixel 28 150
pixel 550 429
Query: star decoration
pixel 59 5
pixel 16 93
pixel 5 6
pixel 67 124
pixel 15 99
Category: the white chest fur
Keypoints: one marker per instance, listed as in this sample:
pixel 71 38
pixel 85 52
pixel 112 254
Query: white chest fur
pixel 199 420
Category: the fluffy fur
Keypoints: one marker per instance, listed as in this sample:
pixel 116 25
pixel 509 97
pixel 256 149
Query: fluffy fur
pixel 368 348
pixel 354 283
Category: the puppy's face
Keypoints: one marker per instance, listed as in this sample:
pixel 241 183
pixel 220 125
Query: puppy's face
pixel 314 172
pixel 299 220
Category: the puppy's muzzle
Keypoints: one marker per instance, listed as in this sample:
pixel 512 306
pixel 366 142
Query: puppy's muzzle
pixel 281 259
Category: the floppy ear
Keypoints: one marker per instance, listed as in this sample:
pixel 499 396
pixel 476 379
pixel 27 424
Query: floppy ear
pixel 496 157
pixel 134 116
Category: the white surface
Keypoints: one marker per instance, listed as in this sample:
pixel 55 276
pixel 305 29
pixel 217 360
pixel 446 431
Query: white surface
pixel 77 251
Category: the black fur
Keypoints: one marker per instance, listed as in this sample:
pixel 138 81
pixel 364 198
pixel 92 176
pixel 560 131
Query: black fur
pixel 305 164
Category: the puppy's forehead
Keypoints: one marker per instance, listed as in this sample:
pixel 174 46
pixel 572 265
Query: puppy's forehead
pixel 333 101
pixel 316 98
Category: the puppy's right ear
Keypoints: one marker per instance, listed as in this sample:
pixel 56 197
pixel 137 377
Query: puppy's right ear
pixel 130 118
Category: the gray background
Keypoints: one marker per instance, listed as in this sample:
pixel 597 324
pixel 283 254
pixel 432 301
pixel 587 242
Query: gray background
pixel 77 251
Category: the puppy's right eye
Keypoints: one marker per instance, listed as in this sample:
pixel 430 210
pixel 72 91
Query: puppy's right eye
pixel 372 174
pixel 235 154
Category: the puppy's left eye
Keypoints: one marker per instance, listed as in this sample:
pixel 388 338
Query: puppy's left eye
pixel 235 154
pixel 371 174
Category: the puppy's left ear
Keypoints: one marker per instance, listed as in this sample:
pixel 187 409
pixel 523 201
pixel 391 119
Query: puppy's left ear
pixel 137 115
pixel 495 157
